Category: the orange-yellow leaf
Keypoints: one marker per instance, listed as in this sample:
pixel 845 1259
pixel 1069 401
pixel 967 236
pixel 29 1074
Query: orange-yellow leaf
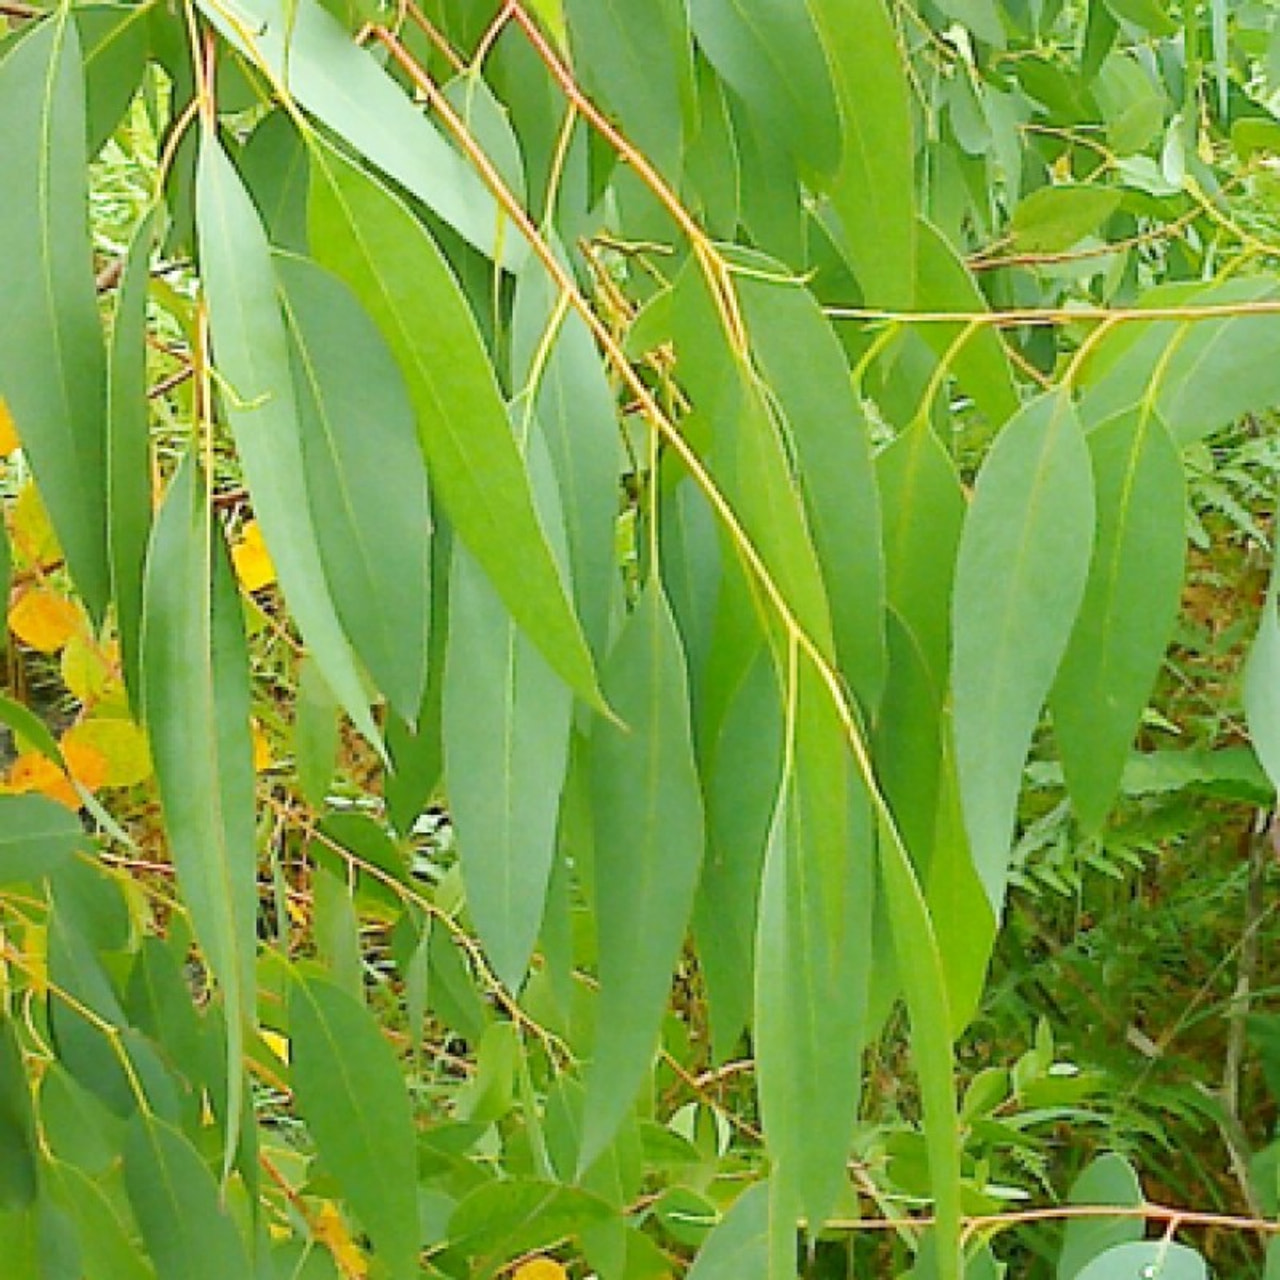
pixel 540 1269
pixel 120 744
pixel 8 431
pixel 34 542
pixel 332 1232
pixel 251 559
pixel 33 772
pixel 45 620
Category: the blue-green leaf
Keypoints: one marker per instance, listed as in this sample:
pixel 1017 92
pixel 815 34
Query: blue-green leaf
pixel 1020 576
pixel 51 355
pixel 649 839
pixel 302 44
pixel 1129 607
pixel 365 479
pixel 195 698
pixel 353 1098
pixel 251 351
pixel 370 239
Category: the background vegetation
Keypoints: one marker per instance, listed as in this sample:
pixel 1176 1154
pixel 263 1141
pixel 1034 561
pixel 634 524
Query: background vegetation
pixel 641 639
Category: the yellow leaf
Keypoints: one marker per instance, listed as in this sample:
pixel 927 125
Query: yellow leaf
pixel 540 1269
pixel 332 1232
pixel 34 541
pixel 278 1044
pixel 251 559
pixel 8 432
pixel 90 670
pixel 45 620
pixel 120 744
pixel 262 757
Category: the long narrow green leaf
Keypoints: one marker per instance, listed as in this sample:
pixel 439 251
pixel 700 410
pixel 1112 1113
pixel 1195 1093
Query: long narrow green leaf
pixel 1262 685
pixel 737 1246
pixel 805 369
pixel 770 55
pixel 749 459
pixel 365 480
pixel 873 189
pixel 367 236
pixel 638 61
pixel 195 698
pixel 51 355
pixel 1020 576
pixel 649 841
pixel 353 1098
pixel 980 363
pixel 561 375
pixel 921 968
pixel 185 1223
pixel 506 742
pixel 301 43
pixel 1129 607
pixel 813 958
pixel 251 350
pixel 108 1248
pixel 129 451
pixel 18 1155
pixel 740 757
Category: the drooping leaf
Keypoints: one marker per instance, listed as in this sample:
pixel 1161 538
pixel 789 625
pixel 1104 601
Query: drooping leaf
pixel 739 734
pixel 565 387
pixel 109 1251
pixel 506 741
pixel 980 363
pixel 364 478
pixel 18 1154
pixel 185 1223
pixel 300 42
pixel 1262 687
pixel 1020 576
pixel 737 1246
pixel 749 461
pixel 649 842
pixel 51 355
pixel 251 351
pixel 195 698
pixel 129 451
pixel 872 192
pixel 772 58
pixel 116 43
pixel 353 1098
pixel 804 368
pixel 638 62
pixel 813 954
pixel 1128 611
pixel 37 836
pixel 370 239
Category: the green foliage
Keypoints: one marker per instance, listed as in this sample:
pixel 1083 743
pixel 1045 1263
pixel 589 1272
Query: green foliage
pixel 604 622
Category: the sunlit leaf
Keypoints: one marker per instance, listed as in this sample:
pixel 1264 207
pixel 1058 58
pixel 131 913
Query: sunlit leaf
pixel 370 239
